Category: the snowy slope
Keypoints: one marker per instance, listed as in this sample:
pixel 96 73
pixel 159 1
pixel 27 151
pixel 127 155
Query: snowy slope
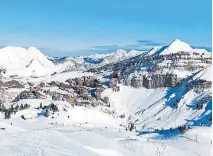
pixel 205 74
pixel 153 108
pixel 93 133
pixel 175 46
pixel 37 137
pixel 14 58
pixel 25 62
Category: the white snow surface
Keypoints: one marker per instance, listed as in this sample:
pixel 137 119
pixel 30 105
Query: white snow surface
pixel 176 46
pixel 25 62
pixel 205 74
pixel 14 58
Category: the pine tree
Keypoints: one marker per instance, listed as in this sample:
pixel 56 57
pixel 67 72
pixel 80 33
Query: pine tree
pixel 41 105
pixel 12 109
pixel 21 107
pixel 9 114
pixel 26 106
pixel 17 107
pixel 5 114
pixel 2 110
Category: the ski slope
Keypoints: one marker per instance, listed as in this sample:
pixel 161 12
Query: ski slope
pixel 91 132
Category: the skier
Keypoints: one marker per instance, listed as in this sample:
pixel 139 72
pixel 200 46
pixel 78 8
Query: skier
pixel 170 131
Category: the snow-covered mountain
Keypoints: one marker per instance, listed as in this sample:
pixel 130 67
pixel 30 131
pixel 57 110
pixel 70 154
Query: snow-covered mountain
pixel 175 58
pixel 14 58
pixel 93 61
pixel 107 58
pixel 24 62
pixel 31 62
pixel 173 47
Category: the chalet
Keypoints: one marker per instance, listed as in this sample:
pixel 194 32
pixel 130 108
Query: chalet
pixel 106 100
pixel 99 89
pixel 98 95
pixel 54 83
pixel 71 99
pixel 83 92
pixel 78 81
pixel 58 96
pixel 29 95
pixel 117 75
pixel 30 84
pixel 113 82
pixel 116 88
pixel 35 89
pixel 137 82
pixel 64 86
pixel 13 84
pixel 42 84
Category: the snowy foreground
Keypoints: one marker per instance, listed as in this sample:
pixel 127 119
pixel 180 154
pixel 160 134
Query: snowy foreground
pixel 98 137
pixel 88 131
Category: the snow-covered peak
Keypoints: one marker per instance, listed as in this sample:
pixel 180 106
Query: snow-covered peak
pixel 120 52
pixel 175 47
pixel 36 54
pixel 178 45
pixel 126 54
pixel 16 59
pixel 93 61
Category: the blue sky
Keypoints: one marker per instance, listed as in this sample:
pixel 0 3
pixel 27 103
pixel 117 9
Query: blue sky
pixel 84 27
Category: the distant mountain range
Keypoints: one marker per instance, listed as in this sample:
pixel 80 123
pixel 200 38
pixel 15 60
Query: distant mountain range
pixel 31 62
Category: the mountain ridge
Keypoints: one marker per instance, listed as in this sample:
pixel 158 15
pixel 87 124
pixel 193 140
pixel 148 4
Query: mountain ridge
pixel 16 59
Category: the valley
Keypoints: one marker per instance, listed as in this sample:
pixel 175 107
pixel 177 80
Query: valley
pixel 153 103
